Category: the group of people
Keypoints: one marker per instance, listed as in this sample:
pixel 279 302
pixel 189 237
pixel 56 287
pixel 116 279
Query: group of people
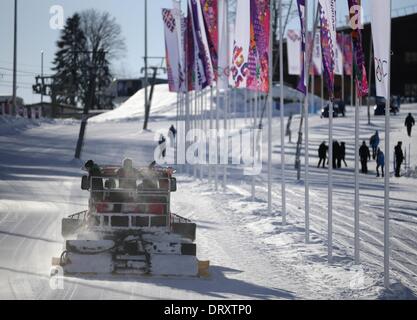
pixel 339 154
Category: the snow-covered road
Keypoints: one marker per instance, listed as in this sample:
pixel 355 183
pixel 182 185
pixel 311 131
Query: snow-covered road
pixel 252 255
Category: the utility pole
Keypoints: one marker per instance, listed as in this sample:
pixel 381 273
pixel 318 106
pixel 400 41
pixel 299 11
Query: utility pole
pixel 145 123
pixel 15 60
pixel 42 76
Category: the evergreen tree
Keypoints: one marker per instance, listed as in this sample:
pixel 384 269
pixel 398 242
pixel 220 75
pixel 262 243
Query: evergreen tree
pixel 68 84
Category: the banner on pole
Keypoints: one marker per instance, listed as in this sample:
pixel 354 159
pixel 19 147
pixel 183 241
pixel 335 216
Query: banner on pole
pixel 223 68
pixel 339 55
pixel 173 61
pixel 210 15
pixel 347 54
pixel 359 57
pixel 328 42
pixel 317 59
pixel 258 61
pixel 204 73
pixel 295 59
pixel 181 25
pixel 241 43
pixel 302 84
pixel 381 31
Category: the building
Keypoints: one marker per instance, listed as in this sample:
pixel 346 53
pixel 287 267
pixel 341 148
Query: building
pixel 122 89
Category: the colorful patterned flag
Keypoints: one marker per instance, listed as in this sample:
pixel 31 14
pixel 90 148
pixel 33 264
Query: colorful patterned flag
pixel 173 61
pixel 240 56
pixel 347 54
pixel 359 57
pixel 204 73
pixel 180 28
pixel 210 15
pixel 258 77
pixel 302 84
pixel 328 41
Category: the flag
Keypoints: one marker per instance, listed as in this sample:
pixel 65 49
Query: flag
pixel 317 58
pixel 173 61
pixel 328 41
pixel 339 55
pixel 347 54
pixel 302 84
pixel 204 73
pixel 223 69
pixel 359 57
pixel 189 52
pixel 258 61
pixel 180 28
pixel 381 33
pixel 210 15
pixel 294 60
pixel 240 56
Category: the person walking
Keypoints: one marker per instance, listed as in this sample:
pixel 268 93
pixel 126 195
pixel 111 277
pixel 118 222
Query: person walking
pixel 374 143
pixel 288 130
pixel 322 154
pixel 364 155
pixel 399 158
pixel 380 162
pixel 162 146
pixel 409 123
pixel 336 154
pixel 343 154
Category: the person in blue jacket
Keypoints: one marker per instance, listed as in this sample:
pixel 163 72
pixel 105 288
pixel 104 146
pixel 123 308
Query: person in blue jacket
pixel 374 143
pixel 380 162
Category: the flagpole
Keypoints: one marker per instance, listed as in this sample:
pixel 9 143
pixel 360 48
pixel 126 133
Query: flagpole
pixel 281 84
pixel 356 204
pixel 387 171
pixel 255 113
pixel 211 128
pixel 306 133
pixel 270 102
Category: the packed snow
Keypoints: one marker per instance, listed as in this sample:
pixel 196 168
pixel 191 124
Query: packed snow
pixel 252 256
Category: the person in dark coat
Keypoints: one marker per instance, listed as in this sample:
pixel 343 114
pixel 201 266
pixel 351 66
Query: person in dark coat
pixel 380 162
pixel 364 155
pixel 399 158
pixel 409 123
pixel 162 145
pixel 322 154
pixel 374 143
pixel 172 135
pixel 342 154
pixel 96 181
pixel 336 154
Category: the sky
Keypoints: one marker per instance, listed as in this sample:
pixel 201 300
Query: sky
pixel 36 35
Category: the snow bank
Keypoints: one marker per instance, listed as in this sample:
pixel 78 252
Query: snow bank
pixel 164 103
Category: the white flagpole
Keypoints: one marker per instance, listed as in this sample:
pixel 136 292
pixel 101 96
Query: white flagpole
pixel 255 114
pixel 216 168
pixel 387 171
pixel 357 225
pixel 270 101
pixel 211 128
pixel 306 134
pixel 281 81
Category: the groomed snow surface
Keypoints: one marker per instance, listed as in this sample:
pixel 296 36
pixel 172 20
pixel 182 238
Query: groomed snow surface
pixel 252 255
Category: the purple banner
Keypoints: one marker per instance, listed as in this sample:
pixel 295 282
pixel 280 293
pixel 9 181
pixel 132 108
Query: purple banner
pixel 302 87
pixel 358 55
